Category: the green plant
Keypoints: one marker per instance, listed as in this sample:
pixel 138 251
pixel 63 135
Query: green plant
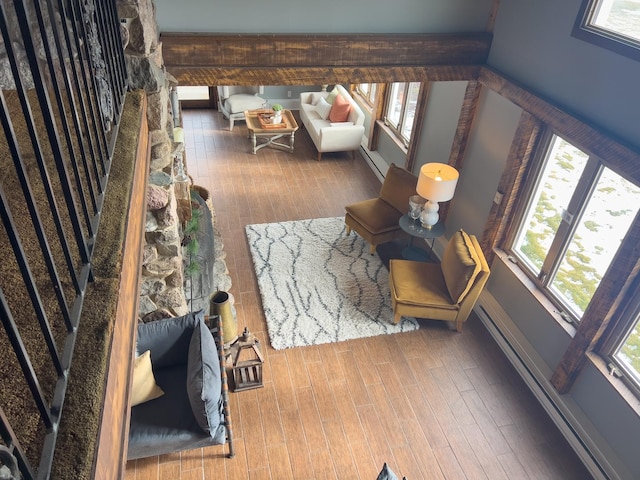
pixel 277 107
pixel 192 224
pixel 192 269
pixel 192 246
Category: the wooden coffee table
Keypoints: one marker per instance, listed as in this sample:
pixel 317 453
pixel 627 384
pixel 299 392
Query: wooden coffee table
pixel 259 127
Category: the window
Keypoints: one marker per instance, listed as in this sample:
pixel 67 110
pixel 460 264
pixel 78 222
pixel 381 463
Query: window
pixel 612 24
pixel 626 353
pixel 368 92
pixel 193 93
pixel 577 215
pixel 401 109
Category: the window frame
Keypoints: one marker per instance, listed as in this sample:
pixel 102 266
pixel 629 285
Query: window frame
pixel 565 233
pixel 627 314
pixel 368 97
pixel 398 129
pixel 584 29
pixel 629 318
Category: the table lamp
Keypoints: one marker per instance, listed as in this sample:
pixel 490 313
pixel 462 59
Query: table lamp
pixel 437 183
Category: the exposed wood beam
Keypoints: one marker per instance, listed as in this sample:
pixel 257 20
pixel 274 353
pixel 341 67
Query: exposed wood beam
pixel 511 183
pixel 492 16
pixel 613 293
pixel 377 113
pixel 613 152
pixel 223 59
pixel 331 50
pixel 319 75
pixel 418 121
pixel 463 131
pixel 465 123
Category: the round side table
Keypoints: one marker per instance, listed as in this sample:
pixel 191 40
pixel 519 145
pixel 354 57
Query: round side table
pixel 416 230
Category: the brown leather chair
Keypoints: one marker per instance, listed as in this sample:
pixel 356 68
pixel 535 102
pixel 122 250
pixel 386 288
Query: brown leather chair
pixel 446 291
pixel 376 220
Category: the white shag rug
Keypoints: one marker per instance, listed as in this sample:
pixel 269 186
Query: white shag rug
pixel 320 285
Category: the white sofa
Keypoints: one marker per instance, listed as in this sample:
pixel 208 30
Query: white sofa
pixel 331 136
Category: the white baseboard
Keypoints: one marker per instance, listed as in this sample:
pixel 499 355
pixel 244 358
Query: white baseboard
pixel 561 408
pixel 374 160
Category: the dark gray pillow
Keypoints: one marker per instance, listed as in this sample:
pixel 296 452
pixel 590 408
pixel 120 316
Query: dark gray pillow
pixel 387 474
pixel 168 339
pixel 203 379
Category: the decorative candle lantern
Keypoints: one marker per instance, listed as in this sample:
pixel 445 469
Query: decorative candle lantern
pixel 247 362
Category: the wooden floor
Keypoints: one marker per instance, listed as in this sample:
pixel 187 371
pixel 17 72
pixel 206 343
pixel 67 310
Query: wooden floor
pixel 433 404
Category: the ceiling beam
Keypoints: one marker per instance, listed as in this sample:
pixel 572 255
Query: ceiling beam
pixel 296 59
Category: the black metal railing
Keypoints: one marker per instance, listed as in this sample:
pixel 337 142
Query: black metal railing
pixel 63 82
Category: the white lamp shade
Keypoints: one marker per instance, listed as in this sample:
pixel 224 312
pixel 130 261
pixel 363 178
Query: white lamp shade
pixel 437 182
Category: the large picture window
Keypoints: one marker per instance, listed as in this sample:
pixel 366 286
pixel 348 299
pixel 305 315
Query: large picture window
pixel 612 24
pixel 401 109
pixel 577 216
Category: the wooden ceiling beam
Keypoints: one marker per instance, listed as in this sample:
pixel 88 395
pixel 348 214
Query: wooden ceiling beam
pixel 319 75
pixel 296 59
pixel 313 50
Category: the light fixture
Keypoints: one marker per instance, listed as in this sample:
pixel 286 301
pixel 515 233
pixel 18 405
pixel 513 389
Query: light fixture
pixel 437 183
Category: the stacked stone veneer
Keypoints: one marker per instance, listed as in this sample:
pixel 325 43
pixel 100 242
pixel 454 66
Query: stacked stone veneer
pixel 162 286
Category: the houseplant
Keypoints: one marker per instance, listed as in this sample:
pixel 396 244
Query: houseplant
pixel 277 108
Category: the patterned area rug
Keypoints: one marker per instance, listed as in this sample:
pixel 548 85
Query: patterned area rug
pixel 319 285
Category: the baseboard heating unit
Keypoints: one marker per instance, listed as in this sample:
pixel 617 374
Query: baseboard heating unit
pixel 523 358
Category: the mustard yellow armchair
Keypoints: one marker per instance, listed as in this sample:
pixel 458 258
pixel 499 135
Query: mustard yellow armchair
pixel 376 220
pixel 446 291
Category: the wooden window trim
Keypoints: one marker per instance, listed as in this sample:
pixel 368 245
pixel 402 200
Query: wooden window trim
pixel 601 316
pixel 604 38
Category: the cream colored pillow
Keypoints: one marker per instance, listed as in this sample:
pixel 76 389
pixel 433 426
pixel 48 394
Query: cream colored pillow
pixel 315 97
pixel 144 386
pixel 323 108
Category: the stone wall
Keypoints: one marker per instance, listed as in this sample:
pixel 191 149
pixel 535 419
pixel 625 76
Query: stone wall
pixel 162 269
pixel 163 283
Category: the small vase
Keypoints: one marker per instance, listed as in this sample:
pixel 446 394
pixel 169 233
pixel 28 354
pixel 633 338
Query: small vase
pixel 277 118
pixel 221 304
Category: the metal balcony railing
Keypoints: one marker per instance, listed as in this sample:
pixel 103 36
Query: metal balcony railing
pixel 63 82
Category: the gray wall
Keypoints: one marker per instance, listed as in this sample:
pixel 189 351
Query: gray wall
pixel 485 159
pixel 329 16
pixel 440 122
pixel 533 43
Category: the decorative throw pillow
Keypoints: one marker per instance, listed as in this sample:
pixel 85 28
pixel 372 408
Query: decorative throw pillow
pixel 333 94
pixel 323 108
pixel 315 97
pixel 203 379
pixel 144 386
pixel 339 110
pixel 460 265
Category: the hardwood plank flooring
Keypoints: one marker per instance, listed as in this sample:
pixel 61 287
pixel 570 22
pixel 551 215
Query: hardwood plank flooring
pixel 433 404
